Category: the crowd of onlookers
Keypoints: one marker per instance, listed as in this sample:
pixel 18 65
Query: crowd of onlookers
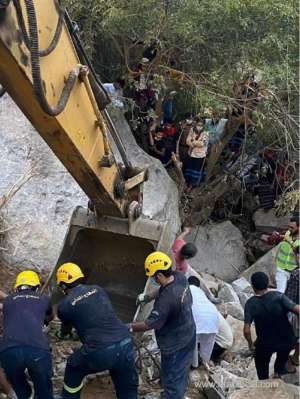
pixel 162 131
pixel 153 123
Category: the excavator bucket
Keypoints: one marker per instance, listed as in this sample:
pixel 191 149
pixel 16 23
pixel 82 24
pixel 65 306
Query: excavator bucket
pixel 111 255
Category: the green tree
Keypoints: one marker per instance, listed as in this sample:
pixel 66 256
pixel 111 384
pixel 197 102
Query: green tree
pixel 214 42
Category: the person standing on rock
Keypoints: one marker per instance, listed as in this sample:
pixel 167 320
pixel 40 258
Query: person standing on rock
pixel 183 251
pixel 24 345
pixel 286 260
pixel 206 317
pixel 194 165
pixel 269 312
pixel 173 322
pixel 107 344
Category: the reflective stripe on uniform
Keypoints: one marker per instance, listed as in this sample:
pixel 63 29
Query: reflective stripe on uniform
pixel 286 261
pixel 73 390
pixel 285 258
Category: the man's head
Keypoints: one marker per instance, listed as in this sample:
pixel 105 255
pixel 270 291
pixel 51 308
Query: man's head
pixel 259 281
pixel 27 279
pixel 168 123
pixel 158 266
pixel 193 280
pixel 119 83
pixel 294 225
pixel 172 94
pixel 69 275
pixel 188 118
pixel 188 251
pixel 158 135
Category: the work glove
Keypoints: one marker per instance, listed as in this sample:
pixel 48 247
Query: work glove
pixel 129 326
pixel 142 299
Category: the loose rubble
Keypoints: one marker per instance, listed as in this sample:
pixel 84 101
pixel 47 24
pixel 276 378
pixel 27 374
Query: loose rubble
pixel 229 379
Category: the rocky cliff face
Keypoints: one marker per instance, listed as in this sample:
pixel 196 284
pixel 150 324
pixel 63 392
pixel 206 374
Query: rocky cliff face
pixel 39 213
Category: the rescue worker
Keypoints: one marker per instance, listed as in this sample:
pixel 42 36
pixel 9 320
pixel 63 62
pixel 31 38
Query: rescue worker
pixel 173 322
pixel 107 344
pixel 24 345
pixel 286 260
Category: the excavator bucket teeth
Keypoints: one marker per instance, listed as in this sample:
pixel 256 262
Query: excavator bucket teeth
pixel 109 257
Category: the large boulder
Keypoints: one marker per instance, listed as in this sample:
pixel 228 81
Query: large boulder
pixel 234 309
pixel 221 250
pixel 227 294
pixel 240 345
pixel 160 195
pixel 243 289
pixel 265 264
pixel 242 285
pixel 39 214
pixel 267 221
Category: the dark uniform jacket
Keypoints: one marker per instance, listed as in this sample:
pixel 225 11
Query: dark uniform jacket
pixel 172 316
pixel 24 315
pixel 88 309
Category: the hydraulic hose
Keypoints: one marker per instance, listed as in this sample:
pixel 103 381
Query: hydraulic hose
pixel 84 59
pixel 55 39
pixel 36 70
pixel 96 87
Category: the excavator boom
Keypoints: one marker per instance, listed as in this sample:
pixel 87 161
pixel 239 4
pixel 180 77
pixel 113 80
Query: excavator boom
pixel 44 69
pixel 41 70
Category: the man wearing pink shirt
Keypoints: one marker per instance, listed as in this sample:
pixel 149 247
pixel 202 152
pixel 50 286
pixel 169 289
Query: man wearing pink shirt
pixel 183 251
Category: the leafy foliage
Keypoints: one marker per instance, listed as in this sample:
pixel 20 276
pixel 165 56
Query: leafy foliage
pixel 213 42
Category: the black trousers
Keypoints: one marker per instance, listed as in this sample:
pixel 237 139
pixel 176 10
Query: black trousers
pixel 217 352
pixel 262 360
pixel 16 360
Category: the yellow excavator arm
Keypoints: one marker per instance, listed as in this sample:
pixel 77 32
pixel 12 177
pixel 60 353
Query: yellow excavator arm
pixel 44 69
pixel 41 70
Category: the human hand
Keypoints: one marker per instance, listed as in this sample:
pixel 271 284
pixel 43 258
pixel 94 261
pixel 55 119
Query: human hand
pixel 187 230
pixel 142 299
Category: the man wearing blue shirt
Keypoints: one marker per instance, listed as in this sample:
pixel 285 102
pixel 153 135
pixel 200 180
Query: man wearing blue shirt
pixel 24 345
pixel 173 322
pixel 106 342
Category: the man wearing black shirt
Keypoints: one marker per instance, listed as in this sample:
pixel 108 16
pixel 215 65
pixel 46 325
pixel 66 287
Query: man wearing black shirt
pixel 269 312
pixel 173 322
pixel 107 344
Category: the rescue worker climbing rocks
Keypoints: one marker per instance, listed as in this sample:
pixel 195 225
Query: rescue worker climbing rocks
pixel 173 322
pixel 24 345
pixel 107 344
